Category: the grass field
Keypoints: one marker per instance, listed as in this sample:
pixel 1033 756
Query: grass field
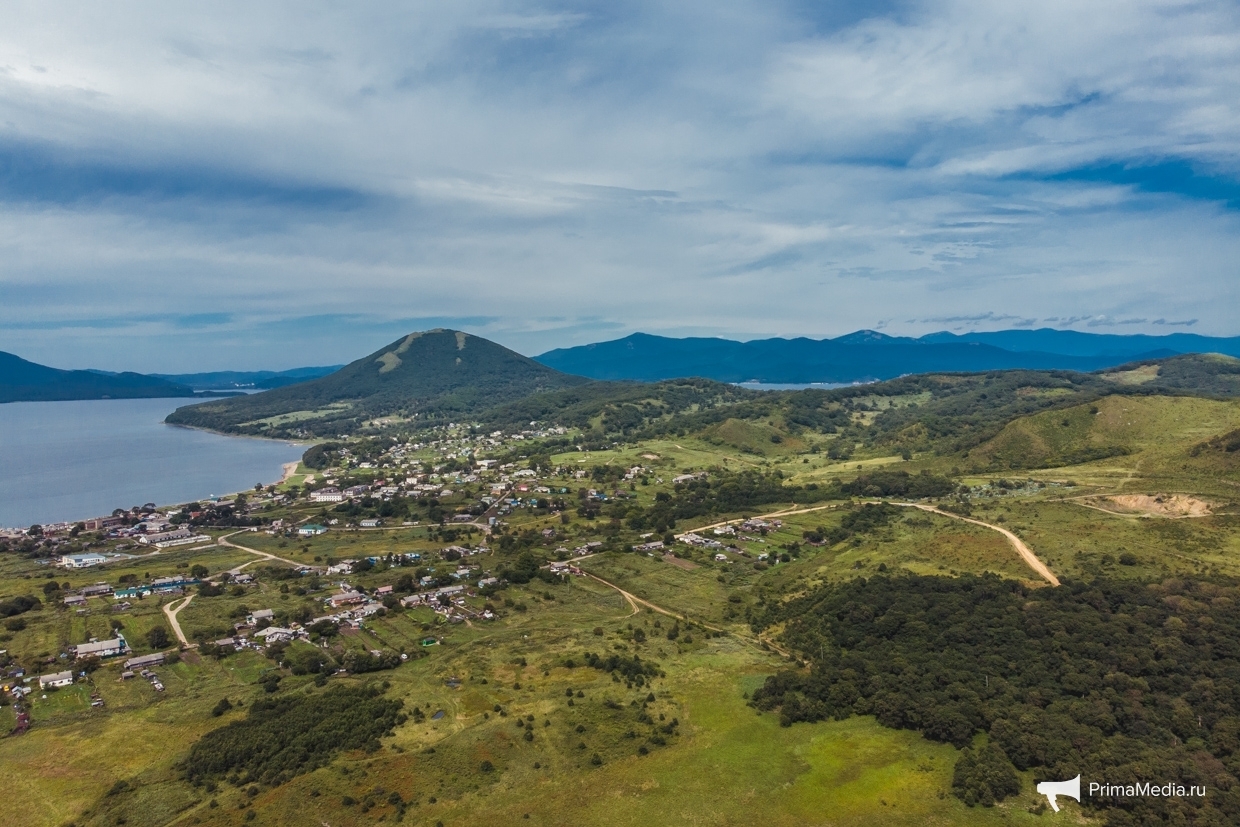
pixel 723 764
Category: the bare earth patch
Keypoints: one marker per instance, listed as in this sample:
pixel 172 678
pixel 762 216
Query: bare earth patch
pixel 687 565
pixel 1137 376
pixel 1160 505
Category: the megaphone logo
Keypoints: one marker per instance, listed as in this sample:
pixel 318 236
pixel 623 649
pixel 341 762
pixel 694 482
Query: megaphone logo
pixel 1050 789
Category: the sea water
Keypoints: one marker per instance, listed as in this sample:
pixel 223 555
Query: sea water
pixel 64 461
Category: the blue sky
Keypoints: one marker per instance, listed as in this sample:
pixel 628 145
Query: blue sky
pixel 232 187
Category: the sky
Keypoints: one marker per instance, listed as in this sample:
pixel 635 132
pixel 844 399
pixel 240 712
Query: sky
pixel 264 186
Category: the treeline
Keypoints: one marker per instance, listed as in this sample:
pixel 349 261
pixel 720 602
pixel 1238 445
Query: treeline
pixel 633 669
pixel 727 492
pixel 284 737
pixel 1111 679
pixel 13 606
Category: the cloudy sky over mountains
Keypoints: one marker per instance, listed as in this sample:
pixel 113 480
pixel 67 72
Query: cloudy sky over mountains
pixel 232 187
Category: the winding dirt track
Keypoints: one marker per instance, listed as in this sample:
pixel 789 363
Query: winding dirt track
pixel 224 541
pixel 1023 550
pixel 171 614
pixel 635 601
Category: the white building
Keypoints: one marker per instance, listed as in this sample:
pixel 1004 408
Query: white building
pixel 100 648
pixel 326 495
pixel 82 561
pixel 56 679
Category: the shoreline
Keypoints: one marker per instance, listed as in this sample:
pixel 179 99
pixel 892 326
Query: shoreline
pixel 288 471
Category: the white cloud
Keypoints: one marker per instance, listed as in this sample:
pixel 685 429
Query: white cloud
pixel 729 168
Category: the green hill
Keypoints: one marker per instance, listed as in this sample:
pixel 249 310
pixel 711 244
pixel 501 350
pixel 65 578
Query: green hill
pixel 1156 429
pixel 437 373
pixel 23 381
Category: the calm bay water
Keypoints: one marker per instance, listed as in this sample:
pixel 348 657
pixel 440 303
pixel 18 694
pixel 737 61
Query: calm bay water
pixel 72 460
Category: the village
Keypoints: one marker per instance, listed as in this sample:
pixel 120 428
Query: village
pixel 365 559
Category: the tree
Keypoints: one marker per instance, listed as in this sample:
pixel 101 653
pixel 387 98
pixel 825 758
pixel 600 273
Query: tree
pixel 198 571
pixel 158 637
pixel 984 776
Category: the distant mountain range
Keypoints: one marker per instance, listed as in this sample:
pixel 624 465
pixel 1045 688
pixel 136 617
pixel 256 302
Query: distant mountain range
pixel 23 381
pixel 446 370
pixel 438 372
pixel 240 380
pixel 867 355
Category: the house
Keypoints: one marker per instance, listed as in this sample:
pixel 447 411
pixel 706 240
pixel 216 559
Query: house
pixel 82 561
pixel 274 634
pixel 370 523
pixel 96 590
pixel 654 545
pixel 722 558
pixel 260 614
pixel 311 530
pixel 488 581
pixel 343 567
pixel 462 518
pixel 326 495
pixel 55 679
pixel 164 585
pixel 100 648
pixel 145 661
pixel 75 600
pixel 346 599
pixel 382 590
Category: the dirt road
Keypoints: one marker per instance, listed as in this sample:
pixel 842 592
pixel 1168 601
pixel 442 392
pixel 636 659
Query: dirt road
pixel 171 614
pixel 636 601
pixel 224 541
pixel 1023 550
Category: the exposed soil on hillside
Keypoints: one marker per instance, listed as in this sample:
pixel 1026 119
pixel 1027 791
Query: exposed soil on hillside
pixel 1159 505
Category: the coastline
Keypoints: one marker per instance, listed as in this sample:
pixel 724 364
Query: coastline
pixel 63 451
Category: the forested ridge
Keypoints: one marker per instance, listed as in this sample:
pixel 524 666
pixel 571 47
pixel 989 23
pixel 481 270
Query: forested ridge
pixel 1116 680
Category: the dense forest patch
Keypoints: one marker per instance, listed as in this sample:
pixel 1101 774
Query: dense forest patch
pixel 284 737
pixel 1114 680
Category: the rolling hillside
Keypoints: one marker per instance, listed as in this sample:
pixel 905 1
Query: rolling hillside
pixel 23 381
pixel 438 372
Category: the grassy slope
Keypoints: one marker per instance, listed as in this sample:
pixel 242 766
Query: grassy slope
pixel 730 766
